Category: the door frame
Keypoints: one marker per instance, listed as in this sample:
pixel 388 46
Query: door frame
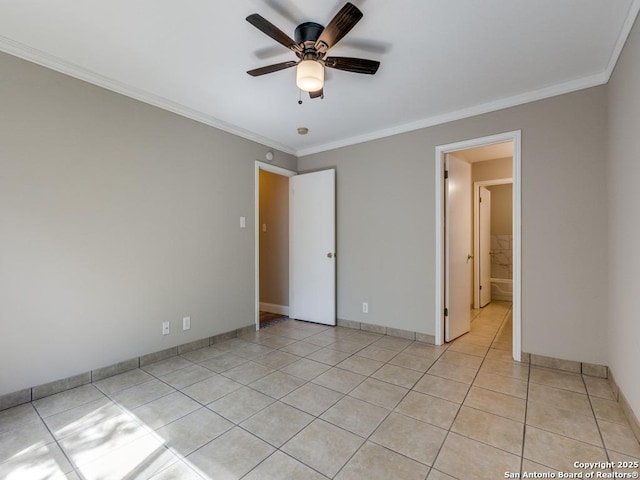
pixel 267 167
pixel 441 151
pixel 476 231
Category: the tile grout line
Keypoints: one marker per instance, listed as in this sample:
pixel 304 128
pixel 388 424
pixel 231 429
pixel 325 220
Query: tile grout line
pixel 466 394
pixel 308 381
pixel 57 442
pixel 579 413
pixel 155 376
pixel 317 417
pixel 259 411
pixel 368 438
pixel 595 418
pixel 149 430
pixel 391 411
pixel 524 427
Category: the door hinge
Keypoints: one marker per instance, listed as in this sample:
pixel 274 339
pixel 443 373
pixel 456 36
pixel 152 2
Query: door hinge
pixel 480 287
pixel 480 199
pixel 446 312
pixel 446 174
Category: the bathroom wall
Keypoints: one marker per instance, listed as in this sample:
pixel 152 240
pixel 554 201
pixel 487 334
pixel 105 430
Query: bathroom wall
pixel 501 213
pixel 501 231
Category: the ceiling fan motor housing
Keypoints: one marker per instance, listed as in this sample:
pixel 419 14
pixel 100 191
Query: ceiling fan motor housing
pixel 308 32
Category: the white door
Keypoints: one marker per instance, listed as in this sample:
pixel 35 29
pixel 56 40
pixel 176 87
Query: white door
pixel 312 247
pixel 484 245
pixel 457 247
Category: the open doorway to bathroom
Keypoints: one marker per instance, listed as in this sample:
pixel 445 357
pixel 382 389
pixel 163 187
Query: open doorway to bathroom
pixel 492 227
pixel 478 252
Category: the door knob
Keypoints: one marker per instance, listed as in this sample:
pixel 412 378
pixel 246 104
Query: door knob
pixel 330 255
pixel 469 257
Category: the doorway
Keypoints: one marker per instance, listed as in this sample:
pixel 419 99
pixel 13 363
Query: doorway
pixel 306 274
pixel 272 242
pixel 493 240
pixel 442 254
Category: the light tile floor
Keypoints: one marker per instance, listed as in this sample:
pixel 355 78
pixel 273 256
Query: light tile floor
pixel 305 401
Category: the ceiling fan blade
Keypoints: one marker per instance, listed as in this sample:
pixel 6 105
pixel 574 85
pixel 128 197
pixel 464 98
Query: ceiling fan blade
pixel 256 72
pixel 319 93
pixel 268 28
pixel 356 65
pixel 338 27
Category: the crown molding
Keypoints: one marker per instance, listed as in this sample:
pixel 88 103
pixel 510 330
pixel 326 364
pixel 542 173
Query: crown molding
pixel 54 63
pixel 41 58
pixel 513 101
pixel 559 89
pixel 622 38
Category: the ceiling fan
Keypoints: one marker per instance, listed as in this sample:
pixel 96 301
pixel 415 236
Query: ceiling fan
pixel 311 43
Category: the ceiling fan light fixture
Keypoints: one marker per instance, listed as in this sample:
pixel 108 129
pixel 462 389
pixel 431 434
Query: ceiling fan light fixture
pixel 310 75
pixel 312 41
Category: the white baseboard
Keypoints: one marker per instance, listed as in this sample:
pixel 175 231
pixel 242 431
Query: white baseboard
pixel 273 308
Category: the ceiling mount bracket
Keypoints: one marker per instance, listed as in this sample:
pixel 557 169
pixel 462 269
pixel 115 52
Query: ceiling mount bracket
pixel 308 32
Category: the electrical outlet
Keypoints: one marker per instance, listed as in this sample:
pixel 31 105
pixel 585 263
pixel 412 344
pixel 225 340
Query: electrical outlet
pixel 166 329
pixel 365 307
pixel 186 323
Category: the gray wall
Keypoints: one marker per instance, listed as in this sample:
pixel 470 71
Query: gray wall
pixel 114 217
pixel 386 223
pixel 624 227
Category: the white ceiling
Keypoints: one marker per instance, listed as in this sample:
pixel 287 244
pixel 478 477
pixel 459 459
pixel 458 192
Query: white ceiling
pixel 440 59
